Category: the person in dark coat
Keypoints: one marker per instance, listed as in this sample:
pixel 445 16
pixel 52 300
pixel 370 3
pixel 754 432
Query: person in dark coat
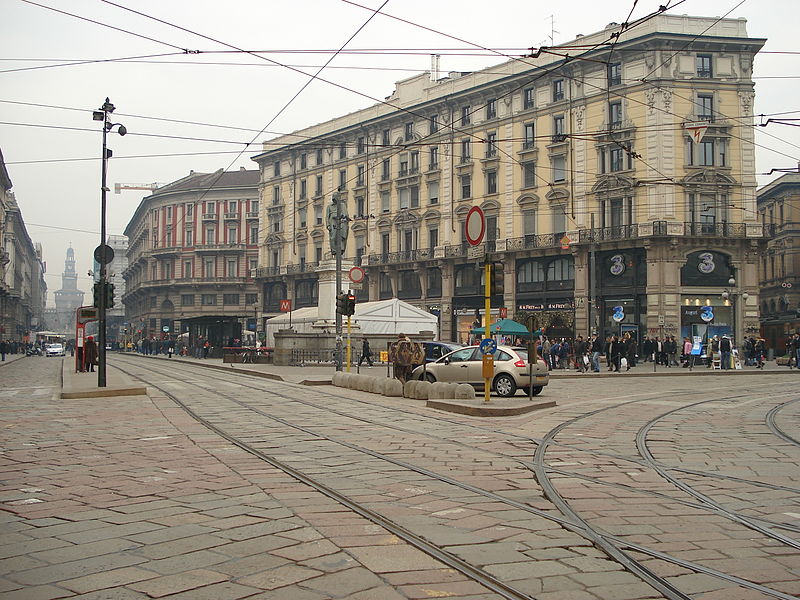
pixel 366 352
pixel 90 353
pixel 4 349
pixel 615 349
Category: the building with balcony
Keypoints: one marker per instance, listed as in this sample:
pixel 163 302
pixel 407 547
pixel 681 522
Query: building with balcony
pixel 23 291
pixel 192 257
pixel 605 211
pixel 779 208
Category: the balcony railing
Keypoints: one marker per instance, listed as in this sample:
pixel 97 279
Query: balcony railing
pixel 231 215
pixel 542 240
pixel 303 267
pixel 209 216
pixel 405 256
pixel 737 230
pixel 620 232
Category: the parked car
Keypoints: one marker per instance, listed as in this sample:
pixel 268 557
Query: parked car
pixel 436 350
pixel 54 350
pixel 465 365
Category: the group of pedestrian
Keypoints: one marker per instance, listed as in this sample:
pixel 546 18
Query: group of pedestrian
pixel 661 351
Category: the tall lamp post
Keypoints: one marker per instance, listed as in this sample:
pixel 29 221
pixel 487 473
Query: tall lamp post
pixel 731 295
pixel 102 253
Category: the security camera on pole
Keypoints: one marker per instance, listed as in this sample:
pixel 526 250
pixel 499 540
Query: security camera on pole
pixel 104 253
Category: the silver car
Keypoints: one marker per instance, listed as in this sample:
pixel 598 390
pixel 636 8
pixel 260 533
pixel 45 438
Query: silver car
pixel 465 365
pixel 54 350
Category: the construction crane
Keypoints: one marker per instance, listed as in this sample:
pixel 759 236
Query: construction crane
pixel 118 187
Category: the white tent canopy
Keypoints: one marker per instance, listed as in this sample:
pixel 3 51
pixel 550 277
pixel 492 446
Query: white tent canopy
pixel 382 317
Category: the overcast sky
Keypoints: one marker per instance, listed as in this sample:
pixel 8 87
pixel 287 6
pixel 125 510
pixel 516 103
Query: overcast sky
pixel 60 198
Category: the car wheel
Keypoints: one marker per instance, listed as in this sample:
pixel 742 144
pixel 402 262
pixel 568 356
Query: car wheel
pixel 537 389
pixel 505 386
pixel 429 377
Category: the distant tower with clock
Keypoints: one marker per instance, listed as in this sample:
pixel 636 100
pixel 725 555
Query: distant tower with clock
pixel 69 297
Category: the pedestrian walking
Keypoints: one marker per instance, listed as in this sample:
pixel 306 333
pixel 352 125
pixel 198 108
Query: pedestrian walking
pixel 794 351
pixel 597 348
pixel 206 348
pixel 90 353
pixel 4 349
pixel 366 352
pixel 725 353
pixel 615 351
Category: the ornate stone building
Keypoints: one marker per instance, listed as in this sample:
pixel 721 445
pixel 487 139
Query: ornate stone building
pixel 605 210
pixel 23 292
pixel 192 258
pixel 779 207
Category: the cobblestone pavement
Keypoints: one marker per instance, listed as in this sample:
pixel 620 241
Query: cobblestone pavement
pixel 130 497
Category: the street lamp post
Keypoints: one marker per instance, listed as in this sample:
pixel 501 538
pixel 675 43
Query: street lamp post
pixel 102 114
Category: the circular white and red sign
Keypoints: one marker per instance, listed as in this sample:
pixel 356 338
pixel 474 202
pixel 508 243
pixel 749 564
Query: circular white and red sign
pixel 475 226
pixel 356 274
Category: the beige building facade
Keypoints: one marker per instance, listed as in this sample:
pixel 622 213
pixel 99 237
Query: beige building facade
pixel 23 291
pixel 192 257
pixel 604 212
pixel 779 207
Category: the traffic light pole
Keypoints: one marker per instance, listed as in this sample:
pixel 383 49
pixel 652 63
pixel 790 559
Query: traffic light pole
pixel 337 246
pixel 101 301
pixel 487 382
pixel 349 347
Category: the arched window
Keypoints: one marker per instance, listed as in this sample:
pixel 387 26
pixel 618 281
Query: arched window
pixel 530 272
pixel 772 306
pixel 561 269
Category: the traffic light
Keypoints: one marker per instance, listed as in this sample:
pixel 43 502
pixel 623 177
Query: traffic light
pixel 496 279
pixel 96 295
pixel 341 303
pixel 109 295
pixel 350 304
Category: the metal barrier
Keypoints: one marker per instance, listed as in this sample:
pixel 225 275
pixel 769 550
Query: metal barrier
pixel 301 358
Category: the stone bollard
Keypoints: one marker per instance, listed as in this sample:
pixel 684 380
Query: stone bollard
pixel 393 387
pixel 451 390
pixel 422 390
pixel 465 391
pixel 347 380
pixel 409 388
pixel 439 391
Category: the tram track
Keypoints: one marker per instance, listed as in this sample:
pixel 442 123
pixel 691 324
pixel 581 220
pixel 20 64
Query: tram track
pixel 611 544
pixel 770 421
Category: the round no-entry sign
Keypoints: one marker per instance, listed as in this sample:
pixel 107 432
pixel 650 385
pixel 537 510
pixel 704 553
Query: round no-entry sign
pixel 356 274
pixel 475 226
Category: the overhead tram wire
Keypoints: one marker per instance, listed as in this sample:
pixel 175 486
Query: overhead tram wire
pixel 583 135
pixel 139 35
pixel 544 70
pixel 285 106
pixel 94 61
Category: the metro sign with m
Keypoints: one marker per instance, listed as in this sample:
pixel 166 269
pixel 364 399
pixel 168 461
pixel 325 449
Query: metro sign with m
pixel 286 306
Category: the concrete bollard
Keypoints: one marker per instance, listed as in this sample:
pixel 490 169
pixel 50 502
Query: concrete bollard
pixel 378 384
pixel 393 387
pixel 465 391
pixel 337 378
pixel 422 390
pixel 451 390
pixel 438 391
pixel 409 388
pixel 347 380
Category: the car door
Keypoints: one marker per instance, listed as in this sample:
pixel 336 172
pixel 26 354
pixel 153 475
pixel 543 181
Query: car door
pixel 454 366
